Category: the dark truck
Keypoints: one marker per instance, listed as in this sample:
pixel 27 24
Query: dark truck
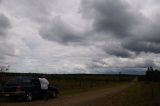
pixel 26 88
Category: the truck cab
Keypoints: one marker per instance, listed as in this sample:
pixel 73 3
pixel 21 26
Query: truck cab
pixel 27 88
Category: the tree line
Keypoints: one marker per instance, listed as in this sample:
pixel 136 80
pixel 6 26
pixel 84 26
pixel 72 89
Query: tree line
pixel 152 74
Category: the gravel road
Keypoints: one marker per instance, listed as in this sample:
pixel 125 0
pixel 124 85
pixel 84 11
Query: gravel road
pixel 79 99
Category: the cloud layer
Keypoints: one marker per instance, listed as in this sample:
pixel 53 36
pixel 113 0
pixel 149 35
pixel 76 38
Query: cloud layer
pixel 4 25
pixel 83 36
pixel 5 47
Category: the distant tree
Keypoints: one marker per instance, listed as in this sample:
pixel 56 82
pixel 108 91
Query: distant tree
pixel 150 69
pixel 4 68
pixel 152 75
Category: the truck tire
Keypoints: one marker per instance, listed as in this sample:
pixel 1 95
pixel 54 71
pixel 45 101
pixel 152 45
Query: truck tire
pixel 28 97
pixel 54 94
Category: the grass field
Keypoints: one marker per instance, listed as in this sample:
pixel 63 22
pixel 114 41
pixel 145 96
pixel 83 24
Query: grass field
pixel 71 83
pixel 139 94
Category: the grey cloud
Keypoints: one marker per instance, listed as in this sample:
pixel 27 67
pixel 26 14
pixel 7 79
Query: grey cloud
pixel 111 21
pixel 110 16
pixel 36 11
pixel 148 63
pixel 149 31
pixel 6 52
pixel 145 38
pixel 96 64
pixel 142 46
pixel 4 25
pixel 118 51
pixel 60 32
pixel 5 48
pixel 129 63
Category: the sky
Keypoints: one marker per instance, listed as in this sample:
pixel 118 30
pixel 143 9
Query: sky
pixel 79 36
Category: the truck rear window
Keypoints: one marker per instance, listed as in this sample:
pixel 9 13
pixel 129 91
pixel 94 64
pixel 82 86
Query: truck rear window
pixel 25 81
pixel 17 81
pixel 13 82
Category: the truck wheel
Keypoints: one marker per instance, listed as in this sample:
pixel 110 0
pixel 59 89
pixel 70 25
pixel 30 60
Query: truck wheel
pixel 54 94
pixel 28 97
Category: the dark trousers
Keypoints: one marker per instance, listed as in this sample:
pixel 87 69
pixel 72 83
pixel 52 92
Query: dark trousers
pixel 45 94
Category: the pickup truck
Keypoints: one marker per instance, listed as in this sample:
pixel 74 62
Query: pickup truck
pixel 26 88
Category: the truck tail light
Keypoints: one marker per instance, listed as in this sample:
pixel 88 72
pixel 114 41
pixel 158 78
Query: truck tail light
pixel 18 88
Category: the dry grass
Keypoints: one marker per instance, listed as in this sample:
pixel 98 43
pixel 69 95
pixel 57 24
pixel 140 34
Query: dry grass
pixel 140 94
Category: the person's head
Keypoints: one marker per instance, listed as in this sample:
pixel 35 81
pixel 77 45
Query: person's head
pixel 43 76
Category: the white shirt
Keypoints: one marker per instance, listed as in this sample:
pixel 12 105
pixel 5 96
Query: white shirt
pixel 44 83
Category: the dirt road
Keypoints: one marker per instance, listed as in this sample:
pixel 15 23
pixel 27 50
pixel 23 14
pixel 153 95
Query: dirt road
pixel 81 99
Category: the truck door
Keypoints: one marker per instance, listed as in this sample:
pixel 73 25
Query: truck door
pixel 37 87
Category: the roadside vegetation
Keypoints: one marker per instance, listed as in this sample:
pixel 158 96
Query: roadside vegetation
pixel 69 84
pixel 139 94
pixel 144 90
pixel 76 83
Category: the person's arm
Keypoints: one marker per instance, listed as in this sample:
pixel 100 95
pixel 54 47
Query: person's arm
pixel 47 81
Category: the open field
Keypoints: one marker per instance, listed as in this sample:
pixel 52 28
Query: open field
pixel 131 94
pixel 139 94
pixel 98 90
pixel 72 83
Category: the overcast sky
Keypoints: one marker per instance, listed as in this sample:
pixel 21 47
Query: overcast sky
pixel 79 36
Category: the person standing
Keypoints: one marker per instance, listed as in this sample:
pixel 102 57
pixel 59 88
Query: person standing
pixel 44 86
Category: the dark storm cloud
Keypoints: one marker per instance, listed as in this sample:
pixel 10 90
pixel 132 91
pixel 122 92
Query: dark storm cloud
pixel 142 46
pixel 117 51
pixel 4 25
pixel 134 31
pixel 145 38
pixel 149 30
pixel 103 36
pixel 110 16
pixel 60 32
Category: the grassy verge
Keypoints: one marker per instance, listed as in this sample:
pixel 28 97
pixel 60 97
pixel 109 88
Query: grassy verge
pixel 79 90
pixel 139 94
